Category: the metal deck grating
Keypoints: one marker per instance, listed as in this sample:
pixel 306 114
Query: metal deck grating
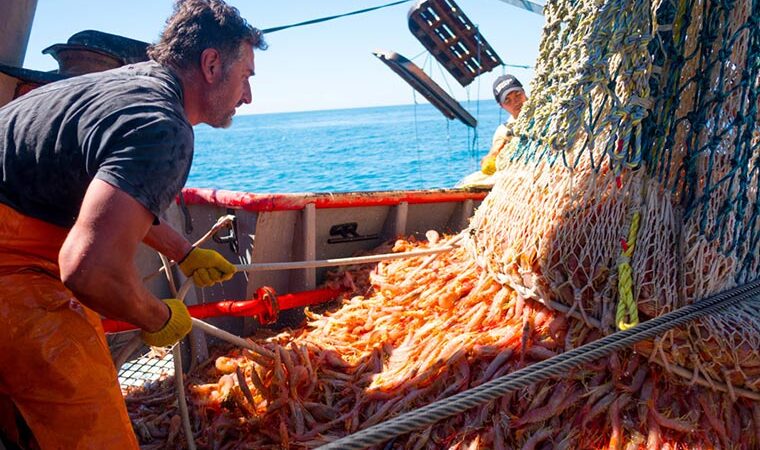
pixel 146 370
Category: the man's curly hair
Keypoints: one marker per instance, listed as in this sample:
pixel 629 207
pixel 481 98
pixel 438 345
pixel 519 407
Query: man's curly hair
pixel 197 25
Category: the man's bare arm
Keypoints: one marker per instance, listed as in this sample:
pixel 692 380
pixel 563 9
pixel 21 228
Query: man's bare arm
pixel 97 258
pixel 166 240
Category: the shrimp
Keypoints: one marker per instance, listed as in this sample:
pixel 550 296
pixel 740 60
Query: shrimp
pixel 226 364
pixel 214 393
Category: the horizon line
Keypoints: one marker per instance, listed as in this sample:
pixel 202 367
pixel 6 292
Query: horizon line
pixel 349 108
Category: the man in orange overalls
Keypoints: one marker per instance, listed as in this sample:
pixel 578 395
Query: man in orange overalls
pixel 87 165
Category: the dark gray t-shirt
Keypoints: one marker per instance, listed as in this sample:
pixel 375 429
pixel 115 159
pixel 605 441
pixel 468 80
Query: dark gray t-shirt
pixel 126 126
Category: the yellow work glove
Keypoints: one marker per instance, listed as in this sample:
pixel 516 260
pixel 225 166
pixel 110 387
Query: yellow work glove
pixel 177 327
pixel 206 267
pixel 488 166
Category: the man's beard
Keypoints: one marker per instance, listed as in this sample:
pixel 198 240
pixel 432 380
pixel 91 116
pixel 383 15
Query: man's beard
pixel 223 122
pixel 220 117
pixel 218 114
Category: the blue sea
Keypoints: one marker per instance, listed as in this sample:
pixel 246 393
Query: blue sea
pixel 363 149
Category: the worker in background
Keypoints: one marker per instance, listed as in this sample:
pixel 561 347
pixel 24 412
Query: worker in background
pixel 510 95
pixel 87 166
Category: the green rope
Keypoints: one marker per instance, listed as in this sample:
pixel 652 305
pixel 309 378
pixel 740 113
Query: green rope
pixel 328 18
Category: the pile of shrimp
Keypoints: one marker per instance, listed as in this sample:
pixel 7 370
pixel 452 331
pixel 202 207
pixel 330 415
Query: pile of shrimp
pixel 424 329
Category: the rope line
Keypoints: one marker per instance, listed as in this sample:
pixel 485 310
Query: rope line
pixel 325 19
pixel 627 313
pixel 626 303
pixel 519 66
pixel 316 263
pixel 543 370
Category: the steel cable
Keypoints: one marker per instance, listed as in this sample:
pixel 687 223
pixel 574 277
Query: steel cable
pixel 325 19
pixel 543 370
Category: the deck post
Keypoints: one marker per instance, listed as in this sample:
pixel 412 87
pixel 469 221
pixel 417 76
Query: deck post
pixel 309 244
pixel 467 211
pixel 15 28
pixel 402 213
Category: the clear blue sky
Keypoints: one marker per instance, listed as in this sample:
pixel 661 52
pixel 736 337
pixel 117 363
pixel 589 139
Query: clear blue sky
pixel 323 66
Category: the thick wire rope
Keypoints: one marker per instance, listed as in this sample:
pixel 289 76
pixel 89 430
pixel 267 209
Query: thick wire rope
pixel 543 370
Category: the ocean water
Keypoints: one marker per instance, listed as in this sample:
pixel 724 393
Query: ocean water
pixel 364 149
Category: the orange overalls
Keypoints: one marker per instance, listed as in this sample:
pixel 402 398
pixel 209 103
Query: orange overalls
pixel 54 361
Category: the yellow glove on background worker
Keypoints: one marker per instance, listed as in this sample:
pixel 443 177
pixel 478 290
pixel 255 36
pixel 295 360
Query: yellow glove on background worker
pixel 488 166
pixel 206 267
pixel 177 327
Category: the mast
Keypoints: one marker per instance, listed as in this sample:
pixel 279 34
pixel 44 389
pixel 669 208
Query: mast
pixel 15 28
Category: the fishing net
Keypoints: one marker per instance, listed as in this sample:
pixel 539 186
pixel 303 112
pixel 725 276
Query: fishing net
pixel 632 186
pixel 629 190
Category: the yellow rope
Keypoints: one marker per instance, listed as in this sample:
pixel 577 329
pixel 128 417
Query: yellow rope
pixel 626 303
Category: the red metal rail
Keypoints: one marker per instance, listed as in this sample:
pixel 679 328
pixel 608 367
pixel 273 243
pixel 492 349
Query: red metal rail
pixel 289 202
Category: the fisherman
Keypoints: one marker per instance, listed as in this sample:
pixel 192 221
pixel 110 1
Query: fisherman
pixel 510 95
pixel 87 167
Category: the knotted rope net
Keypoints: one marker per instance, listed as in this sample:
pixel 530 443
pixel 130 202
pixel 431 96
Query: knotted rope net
pixel 632 186
pixel 630 189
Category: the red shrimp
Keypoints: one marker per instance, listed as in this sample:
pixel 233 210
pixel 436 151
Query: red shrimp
pixel 708 407
pixel 497 362
pixel 537 438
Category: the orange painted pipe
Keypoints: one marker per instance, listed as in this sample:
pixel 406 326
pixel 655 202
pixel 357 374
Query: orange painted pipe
pixel 260 307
